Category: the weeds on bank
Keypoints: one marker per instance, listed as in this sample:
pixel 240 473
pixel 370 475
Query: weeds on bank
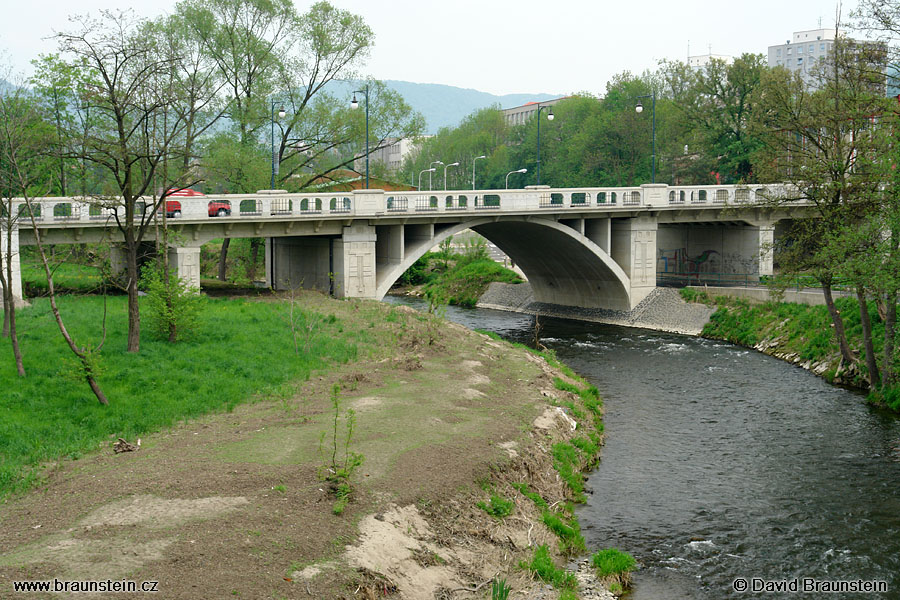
pixel 614 568
pixel 499 590
pixel 338 472
pixel 498 506
pixel 543 567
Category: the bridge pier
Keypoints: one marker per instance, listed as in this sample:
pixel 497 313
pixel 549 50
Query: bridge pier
pixel 633 245
pixel 11 247
pixel 343 266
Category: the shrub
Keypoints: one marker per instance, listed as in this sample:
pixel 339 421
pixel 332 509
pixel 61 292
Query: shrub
pixel 174 307
pixel 498 506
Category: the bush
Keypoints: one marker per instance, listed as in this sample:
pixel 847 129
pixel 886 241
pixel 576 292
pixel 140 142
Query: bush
pixel 173 308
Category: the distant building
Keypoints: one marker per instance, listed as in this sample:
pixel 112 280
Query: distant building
pixel 521 114
pixel 803 52
pixel 391 155
pixel 701 60
pixel 808 51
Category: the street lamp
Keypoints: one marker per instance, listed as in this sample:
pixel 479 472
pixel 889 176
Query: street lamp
pixel 429 171
pixel 281 115
pixel 437 162
pixel 639 108
pixel 511 172
pixel 549 118
pixel 354 105
pixel 473 169
pixel 456 164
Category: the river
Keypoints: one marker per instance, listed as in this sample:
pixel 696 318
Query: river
pixel 722 463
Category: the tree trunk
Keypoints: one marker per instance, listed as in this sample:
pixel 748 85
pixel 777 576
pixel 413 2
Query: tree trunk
pixel 6 304
pixel 871 363
pixel 838 323
pixel 78 352
pixel 134 309
pixel 223 256
pixel 890 325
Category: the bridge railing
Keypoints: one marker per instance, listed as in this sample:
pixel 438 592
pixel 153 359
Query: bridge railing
pixel 267 204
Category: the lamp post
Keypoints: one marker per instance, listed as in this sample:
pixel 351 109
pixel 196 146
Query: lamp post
pixel 429 171
pixel 281 115
pixel 639 108
pixel 437 162
pixel 511 172
pixel 456 164
pixel 473 169
pixel 549 118
pixel 354 105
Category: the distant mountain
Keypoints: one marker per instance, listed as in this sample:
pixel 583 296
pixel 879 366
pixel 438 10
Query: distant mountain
pixel 446 105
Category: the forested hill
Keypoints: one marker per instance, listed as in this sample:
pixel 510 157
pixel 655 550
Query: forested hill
pixel 445 105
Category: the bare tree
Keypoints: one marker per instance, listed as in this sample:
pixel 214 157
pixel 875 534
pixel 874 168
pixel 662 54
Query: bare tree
pixel 122 71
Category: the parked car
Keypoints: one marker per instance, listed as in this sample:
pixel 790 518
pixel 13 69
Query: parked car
pixel 215 208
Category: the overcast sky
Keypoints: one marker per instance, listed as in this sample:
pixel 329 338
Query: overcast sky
pixel 500 46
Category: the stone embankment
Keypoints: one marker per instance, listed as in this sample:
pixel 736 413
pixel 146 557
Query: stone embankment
pixel 662 310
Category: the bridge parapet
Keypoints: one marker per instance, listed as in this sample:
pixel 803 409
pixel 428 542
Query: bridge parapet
pixel 280 205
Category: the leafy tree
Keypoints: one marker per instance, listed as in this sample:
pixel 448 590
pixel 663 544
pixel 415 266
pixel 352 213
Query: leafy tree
pixel 718 100
pixel 823 141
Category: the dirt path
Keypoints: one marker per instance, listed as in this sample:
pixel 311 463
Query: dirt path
pixel 232 505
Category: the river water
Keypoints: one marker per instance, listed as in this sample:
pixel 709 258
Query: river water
pixel 722 463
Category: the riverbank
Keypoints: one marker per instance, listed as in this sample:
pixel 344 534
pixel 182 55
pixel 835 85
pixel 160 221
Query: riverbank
pixel 801 334
pixel 232 503
pixel 662 310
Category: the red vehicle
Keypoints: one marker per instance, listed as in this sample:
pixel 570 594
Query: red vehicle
pixel 215 208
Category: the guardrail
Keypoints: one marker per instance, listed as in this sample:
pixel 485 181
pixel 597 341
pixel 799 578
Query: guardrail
pixel 373 203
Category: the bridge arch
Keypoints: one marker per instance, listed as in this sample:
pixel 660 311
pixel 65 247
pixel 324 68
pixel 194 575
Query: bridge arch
pixel 563 265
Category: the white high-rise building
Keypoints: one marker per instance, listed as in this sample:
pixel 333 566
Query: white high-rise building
pixel 803 51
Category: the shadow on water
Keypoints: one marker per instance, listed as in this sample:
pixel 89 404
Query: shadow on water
pixel 721 463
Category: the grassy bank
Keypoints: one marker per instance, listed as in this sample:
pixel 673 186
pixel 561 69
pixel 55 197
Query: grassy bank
pixel 460 438
pixel 244 350
pixel 796 332
pixel 457 277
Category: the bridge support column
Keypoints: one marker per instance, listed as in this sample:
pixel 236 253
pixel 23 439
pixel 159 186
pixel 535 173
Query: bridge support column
pixel 766 245
pixel 634 249
pixel 118 261
pixel 354 262
pixel 11 248
pixel 186 262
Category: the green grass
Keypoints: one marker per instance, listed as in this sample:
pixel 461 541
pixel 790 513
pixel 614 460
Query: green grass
pixel 543 567
pixel 67 277
pixel 464 283
pixel 614 566
pixel 498 506
pixel 244 351
pixel 566 527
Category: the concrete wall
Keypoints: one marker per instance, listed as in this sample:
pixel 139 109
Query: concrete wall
pixel 714 248
pixel 762 294
pixel 295 262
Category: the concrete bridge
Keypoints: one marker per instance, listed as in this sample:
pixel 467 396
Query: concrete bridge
pixel 585 247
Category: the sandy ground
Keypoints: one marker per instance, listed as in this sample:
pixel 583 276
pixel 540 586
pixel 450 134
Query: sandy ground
pixel 233 505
